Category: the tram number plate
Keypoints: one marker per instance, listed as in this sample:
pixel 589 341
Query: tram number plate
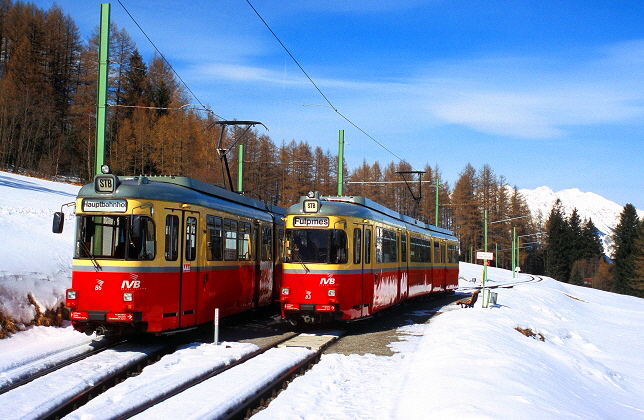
pixel 311 206
pixel 105 183
pixel 311 222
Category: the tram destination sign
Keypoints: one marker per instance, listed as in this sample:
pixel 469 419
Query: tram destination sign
pixel 321 222
pixel 108 206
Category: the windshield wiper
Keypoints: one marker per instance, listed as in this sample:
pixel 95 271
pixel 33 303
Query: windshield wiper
pixel 97 266
pixel 299 257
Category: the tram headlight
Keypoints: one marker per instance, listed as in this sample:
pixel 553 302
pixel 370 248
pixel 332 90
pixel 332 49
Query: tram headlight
pixel 71 294
pixel 127 297
pixel 331 292
pixel 285 291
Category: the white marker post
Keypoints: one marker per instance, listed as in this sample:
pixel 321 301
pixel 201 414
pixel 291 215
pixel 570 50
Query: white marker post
pixel 216 326
pixel 486 257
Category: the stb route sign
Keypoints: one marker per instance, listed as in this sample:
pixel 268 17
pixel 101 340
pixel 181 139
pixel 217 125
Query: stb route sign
pixel 484 255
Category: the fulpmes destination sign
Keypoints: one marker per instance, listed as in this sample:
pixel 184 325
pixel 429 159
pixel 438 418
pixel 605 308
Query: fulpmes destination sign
pixel 321 222
pixel 108 206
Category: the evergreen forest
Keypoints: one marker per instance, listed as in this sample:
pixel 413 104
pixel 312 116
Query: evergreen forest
pixel 48 123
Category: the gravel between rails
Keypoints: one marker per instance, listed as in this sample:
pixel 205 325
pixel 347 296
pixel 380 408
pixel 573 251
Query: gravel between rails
pixel 372 336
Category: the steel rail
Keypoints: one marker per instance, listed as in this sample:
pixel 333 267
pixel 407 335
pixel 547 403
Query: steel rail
pixel 18 383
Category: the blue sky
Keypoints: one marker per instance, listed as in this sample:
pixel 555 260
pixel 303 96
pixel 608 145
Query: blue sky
pixel 545 92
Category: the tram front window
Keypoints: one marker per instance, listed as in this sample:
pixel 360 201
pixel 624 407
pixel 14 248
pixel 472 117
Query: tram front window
pixel 316 246
pixel 115 237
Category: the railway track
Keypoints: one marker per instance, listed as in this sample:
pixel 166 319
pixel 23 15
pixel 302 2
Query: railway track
pixel 231 380
pixel 532 278
pixel 225 381
pixel 29 370
pixel 56 393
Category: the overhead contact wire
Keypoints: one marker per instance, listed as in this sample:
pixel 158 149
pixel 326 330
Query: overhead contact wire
pixel 167 62
pixel 316 86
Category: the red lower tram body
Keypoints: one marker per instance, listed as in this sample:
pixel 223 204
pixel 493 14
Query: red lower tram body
pixel 328 296
pixel 150 301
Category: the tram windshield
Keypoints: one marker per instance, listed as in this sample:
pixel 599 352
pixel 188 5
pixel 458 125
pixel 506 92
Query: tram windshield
pixel 115 237
pixel 316 246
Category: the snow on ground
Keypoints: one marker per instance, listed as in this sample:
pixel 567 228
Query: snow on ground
pixel 37 349
pixel 466 362
pixel 472 363
pixel 32 258
pixel 156 380
pixel 39 398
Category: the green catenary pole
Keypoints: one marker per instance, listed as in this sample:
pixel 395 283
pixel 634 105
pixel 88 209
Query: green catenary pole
pixel 483 291
pixel 101 92
pixel 514 249
pixel 437 182
pixel 240 170
pixel 340 161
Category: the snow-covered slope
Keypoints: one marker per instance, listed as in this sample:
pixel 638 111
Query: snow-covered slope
pixel 603 212
pixel 33 260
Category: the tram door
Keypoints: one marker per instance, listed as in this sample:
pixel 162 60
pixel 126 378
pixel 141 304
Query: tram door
pixel 362 243
pixel 404 266
pixel 263 244
pixel 181 247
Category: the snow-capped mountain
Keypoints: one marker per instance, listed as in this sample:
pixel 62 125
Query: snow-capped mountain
pixel 603 212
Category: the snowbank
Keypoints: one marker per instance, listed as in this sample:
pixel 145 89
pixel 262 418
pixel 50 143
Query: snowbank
pixel 32 258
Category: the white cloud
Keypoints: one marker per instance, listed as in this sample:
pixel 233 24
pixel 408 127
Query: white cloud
pixel 521 97
pixel 533 98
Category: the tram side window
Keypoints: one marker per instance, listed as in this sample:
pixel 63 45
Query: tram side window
pixel 214 238
pixel 420 250
pixel 443 252
pixel 437 253
pixel 338 247
pixel 230 244
pixel 191 239
pixel 391 248
pixel 367 246
pixel 141 245
pixel 379 245
pixel 171 237
pixel 280 239
pixel 386 244
pixel 452 253
pixel 403 247
pixel 267 244
pixel 413 249
pixel 427 251
pixel 357 245
pixel 244 241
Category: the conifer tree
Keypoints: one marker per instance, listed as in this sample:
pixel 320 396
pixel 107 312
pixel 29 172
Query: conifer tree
pixel 557 244
pixel 637 282
pixel 624 238
pixel 574 236
pixel 591 244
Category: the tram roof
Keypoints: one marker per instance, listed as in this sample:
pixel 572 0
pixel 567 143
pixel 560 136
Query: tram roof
pixel 364 207
pixel 179 189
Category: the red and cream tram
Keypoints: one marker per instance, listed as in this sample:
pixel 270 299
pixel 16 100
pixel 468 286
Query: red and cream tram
pixel 159 254
pixel 349 257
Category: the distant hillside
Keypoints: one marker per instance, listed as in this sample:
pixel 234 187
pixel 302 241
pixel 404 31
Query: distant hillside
pixel 603 212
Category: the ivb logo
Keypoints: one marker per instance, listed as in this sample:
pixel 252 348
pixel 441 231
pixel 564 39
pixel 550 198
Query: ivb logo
pixel 327 281
pixel 127 284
